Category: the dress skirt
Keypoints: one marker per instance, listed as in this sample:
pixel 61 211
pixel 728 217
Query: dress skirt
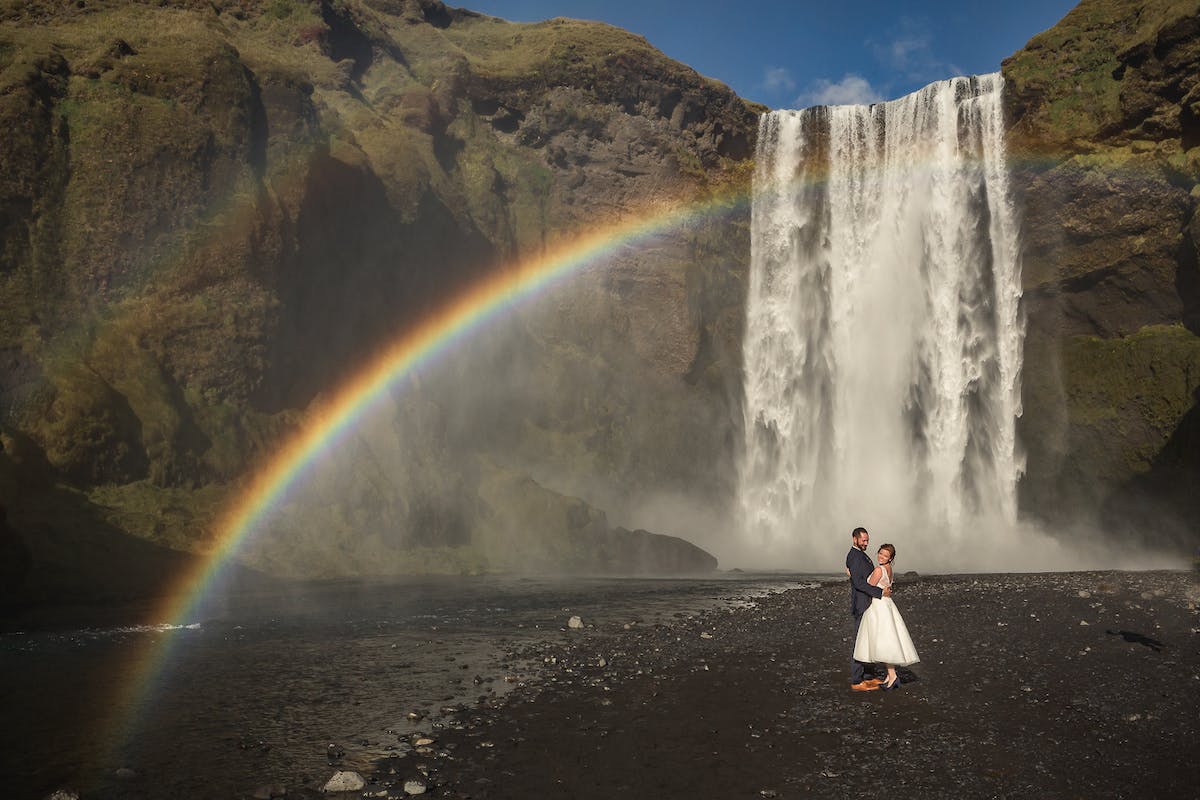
pixel 883 637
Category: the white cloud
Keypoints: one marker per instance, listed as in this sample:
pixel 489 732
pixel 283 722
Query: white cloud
pixel 903 53
pixel 850 90
pixel 910 55
pixel 778 79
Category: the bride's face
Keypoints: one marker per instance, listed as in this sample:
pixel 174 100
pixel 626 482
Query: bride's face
pixel 884 556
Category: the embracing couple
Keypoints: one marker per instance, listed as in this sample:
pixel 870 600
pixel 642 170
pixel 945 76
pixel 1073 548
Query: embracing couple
pixel 880 636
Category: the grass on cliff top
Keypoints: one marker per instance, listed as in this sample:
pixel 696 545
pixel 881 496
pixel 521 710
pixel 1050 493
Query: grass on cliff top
pixel 513 50
pixel 1071 66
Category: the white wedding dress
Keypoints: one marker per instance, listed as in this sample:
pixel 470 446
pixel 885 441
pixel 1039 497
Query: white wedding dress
pixel 882 635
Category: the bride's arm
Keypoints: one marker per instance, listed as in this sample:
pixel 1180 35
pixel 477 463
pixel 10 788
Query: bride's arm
pixel 875 576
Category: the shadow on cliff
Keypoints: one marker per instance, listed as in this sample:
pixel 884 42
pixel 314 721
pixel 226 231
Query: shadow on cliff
pixel 64 566
pixel 1161 507
pixel 355 272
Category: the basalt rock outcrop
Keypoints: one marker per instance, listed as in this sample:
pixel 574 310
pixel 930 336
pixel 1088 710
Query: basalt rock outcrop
pixel 212 214
pixel 1105 111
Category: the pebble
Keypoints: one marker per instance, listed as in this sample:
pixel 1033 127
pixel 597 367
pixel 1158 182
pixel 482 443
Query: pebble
pixel 345 782
pixel 64 794
pixel 126 774
pixel 415 787
pixel 575 622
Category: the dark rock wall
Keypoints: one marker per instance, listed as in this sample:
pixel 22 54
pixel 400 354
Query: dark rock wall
pixel 1104 139
pixel 212 214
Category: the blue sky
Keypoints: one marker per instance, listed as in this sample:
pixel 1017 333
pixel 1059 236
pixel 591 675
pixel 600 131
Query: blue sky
pixel 802 53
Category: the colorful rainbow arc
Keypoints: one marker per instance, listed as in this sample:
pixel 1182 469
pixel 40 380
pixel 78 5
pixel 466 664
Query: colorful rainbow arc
pixel 458 318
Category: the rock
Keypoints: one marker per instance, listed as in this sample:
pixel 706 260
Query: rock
pixel 575 622
pixel 334 752
pixel 415 787
pixel 63 794
pixel 344 782
pixel 126 774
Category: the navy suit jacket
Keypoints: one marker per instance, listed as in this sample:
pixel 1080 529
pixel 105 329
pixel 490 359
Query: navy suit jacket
pixel 861 592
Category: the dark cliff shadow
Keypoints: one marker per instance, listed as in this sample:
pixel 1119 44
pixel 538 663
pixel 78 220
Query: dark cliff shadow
pixel 354 271
pixel 1163 501
pixel 64 566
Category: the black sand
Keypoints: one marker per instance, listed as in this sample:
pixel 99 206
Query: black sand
pixel 1049 685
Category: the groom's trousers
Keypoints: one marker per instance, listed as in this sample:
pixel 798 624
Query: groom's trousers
pixel 857 668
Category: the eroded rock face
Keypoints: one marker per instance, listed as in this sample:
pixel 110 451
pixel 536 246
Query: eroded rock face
pixel 212 220
pixel 1105 141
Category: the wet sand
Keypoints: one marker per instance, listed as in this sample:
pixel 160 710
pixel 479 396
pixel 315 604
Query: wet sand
pixel 1049 685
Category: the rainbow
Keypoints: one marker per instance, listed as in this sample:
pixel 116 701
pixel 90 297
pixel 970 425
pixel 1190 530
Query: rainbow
pixel 451 323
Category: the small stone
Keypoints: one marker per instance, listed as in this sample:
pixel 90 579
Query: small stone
pixel 1083 622
pixel 64 794
pixel 575 622
pixel 424 741
pixel 126 774
pixel 1084 593
pixel 706 635
pixel 415 787
pixel 345 782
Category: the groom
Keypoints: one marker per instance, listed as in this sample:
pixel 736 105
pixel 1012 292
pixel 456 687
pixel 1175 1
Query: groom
pixel 860 567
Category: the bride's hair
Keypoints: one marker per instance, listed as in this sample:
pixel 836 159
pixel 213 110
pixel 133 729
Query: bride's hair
pixel 891 548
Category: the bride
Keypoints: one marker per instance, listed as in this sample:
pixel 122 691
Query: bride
pixel 882 636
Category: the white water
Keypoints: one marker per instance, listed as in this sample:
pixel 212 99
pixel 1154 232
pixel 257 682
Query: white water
pixel 884 333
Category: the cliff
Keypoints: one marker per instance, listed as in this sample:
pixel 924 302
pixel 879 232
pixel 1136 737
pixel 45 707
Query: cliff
pixel 212 213
pixel 1105 111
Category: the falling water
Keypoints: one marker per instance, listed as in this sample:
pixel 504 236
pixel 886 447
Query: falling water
pixel 884 332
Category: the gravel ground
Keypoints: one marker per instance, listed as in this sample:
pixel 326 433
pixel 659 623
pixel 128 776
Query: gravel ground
pixel 1048 685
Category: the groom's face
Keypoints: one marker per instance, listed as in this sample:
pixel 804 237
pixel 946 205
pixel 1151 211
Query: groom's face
pixel 861 540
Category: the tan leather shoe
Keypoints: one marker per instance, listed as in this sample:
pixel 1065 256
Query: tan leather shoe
pixel 865 686
pixel 876 681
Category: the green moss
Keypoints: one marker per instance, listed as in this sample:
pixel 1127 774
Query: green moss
pixel 178 518
pixel 1131 393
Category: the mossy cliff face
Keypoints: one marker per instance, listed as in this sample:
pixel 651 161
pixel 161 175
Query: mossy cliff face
pixel 212 214
pixel 1105 112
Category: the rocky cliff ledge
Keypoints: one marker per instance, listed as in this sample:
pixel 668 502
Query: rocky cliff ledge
pixel 213 212
pixel 1105 109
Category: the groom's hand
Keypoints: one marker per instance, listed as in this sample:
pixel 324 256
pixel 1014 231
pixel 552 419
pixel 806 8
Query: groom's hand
pixel 887 591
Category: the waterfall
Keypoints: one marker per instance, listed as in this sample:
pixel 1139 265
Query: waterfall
pixel 884 331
